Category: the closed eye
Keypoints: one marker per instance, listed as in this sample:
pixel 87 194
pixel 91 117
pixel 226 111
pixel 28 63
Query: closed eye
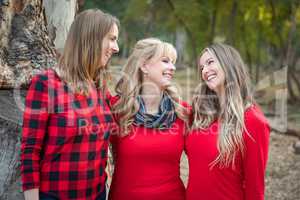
pixel 113 38
pixel 165 60
pixel 210 62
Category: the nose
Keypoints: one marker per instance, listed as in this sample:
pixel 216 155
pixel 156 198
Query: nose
pixel 115 47
pixel 172 66
pixel 204 71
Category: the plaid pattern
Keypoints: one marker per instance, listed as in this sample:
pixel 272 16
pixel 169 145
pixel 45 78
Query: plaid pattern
pixel 65 140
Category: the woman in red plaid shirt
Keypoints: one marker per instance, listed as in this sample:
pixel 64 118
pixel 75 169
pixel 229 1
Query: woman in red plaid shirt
pixel 67 122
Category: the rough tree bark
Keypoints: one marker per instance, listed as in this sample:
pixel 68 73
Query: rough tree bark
pixel 25 49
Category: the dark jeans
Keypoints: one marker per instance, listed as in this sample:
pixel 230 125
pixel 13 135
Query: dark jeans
pixel 45 196
pixel 102 196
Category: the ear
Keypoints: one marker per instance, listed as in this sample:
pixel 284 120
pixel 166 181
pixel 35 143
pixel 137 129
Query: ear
pixel 145 67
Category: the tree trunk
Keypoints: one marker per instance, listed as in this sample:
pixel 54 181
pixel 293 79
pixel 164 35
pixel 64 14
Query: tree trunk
pixel 213 23
pixel 290 55
pixel 276 26
pixel 180 43
pixel 189 32
pixel 232 23
pixel 296 81
pixel 58 20
pixel 247 50
pixel 126 45
pixel 25 50
pixel 258 56
pixel 10 132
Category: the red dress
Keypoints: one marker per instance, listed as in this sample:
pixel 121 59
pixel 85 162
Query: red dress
pixel 147 164
pixel 246 181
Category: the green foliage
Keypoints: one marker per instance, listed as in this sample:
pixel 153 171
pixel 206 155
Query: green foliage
pixel 259 29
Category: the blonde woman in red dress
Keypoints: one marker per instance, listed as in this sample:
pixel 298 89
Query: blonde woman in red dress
pixel 150 142
pixel 227 147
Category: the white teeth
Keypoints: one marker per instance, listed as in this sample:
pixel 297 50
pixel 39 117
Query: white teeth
pixel 167 75
pixel 210 77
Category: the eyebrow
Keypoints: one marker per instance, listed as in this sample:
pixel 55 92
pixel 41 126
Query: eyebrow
pixel 206 61
pixel 169 59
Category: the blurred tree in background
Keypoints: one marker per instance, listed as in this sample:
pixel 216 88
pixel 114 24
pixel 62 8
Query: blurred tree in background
pixel 264 31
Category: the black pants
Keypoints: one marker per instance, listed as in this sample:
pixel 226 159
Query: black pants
pixel 45 196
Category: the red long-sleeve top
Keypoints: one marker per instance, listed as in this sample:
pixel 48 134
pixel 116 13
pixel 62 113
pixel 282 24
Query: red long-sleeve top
pixel 243 182
pixel 147 164
pixel 64 140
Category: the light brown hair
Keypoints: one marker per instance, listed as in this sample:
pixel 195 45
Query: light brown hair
pixel 79 65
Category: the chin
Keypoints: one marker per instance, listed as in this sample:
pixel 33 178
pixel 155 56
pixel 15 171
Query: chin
pixel 165 86
pixel 212 87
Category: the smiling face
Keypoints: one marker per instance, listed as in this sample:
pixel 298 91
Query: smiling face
pixel 212 72
pixel 109 45
pixel 160 71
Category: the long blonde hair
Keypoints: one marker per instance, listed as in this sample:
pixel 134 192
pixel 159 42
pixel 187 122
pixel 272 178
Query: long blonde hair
pixel 79 65
pixel 129 86
pixel 238 97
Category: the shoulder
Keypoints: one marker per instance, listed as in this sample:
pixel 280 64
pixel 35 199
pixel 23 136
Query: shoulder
pixel 44 76
pixel 41 80
pixel 256 123
pixel 254 115
pixel 186 106
pixel 113 99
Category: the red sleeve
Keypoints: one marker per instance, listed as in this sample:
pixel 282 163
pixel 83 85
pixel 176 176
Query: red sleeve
pixel 188 110
pixel 33 131
pixel 108 95
pixel 114 136
pixel 256 153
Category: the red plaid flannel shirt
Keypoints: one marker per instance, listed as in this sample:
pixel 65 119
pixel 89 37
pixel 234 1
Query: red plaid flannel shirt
pixel 64 140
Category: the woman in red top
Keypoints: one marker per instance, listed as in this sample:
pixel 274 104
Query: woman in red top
pixel 150 142
pixel 66 122
pixel 227 147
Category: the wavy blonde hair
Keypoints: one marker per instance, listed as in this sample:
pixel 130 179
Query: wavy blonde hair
pixel 79 65
pixel 238 97
pixel 130 84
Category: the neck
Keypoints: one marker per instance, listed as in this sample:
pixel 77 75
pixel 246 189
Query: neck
pixel 151 96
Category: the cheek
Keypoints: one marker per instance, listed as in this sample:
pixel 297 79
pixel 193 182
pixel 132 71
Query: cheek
pixel 154 74
pixel 104 46
pixel 202 75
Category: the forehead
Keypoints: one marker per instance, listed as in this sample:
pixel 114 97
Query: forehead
pixel 169 52
pixel 114 30
pixel 205 56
